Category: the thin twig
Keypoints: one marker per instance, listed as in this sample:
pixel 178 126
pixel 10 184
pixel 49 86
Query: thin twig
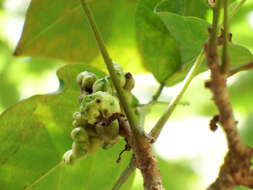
pixel 155 132
pixel 245 67
pixel 125 174
pixel 146 107
pixel 158 93
pixel 225 58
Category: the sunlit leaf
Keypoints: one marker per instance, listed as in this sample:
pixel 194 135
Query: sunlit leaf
pixel 60 29
pixel 159 51
pixel 36 132
pixel 191 34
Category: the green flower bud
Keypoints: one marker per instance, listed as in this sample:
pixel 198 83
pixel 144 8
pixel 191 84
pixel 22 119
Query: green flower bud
pixel 103 85
pixel 77 116
pixel 86 80
pixel 120 74
pixel 108 133
pixel 80 149
pixel 68 157
pixel 81 97
pixel 79 135
pixel 109 144
pixel 99 105
pixel 90 129
pixel 95 144
pixel 78 120
pixel 129 85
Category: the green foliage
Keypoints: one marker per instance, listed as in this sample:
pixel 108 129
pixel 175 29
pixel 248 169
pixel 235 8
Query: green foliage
pixel 176 42
pixel 191 34
pixel 159 51
pixel 169 34
pixel 62 27
pixel 35 134
pixel 49 32
pixel 158 47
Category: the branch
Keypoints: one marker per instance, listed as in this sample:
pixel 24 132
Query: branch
pixel 245 67
pixel 158 93
pixel 155 132
pixel 145 159
pixel 225 58
pixel 125 174
pixel 236 168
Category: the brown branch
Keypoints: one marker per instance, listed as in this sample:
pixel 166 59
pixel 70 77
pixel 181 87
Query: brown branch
pixel 236 167
pixel 143 156
pixel 245 67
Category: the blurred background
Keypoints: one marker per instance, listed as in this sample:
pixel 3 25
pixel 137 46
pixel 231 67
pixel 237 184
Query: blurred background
pixel 188 151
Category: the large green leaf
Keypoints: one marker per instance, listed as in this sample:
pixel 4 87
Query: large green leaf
pixel 159 51
pixel 60 29
pixel 191 34
pixel 158 48
pixel 35 134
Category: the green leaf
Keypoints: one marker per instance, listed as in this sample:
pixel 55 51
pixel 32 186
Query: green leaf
pixel 191 34
pixel 35 133
pixel 239 55
pixel 196 8
pixel 59 29
pixel 158 50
